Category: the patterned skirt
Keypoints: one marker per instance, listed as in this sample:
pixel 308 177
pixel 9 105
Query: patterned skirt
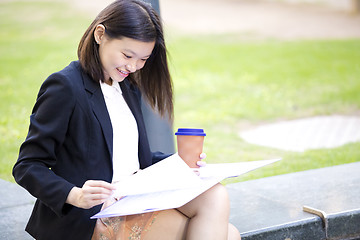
pixel 131 227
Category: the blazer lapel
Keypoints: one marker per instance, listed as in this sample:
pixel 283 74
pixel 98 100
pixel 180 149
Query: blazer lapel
pixel 133 102
pixel 129 99
pixel 100 110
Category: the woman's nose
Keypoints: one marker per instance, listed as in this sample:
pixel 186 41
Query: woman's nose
pixel 131 67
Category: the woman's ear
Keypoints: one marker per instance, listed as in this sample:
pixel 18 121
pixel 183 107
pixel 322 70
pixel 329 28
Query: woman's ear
pixel 99 33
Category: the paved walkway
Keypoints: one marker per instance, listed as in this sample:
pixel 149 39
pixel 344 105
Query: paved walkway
pixel 15 208
pixel 308 133
pixel 250 19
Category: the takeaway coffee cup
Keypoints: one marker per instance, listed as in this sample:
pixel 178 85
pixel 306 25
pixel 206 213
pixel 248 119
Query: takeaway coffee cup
pixel 190 143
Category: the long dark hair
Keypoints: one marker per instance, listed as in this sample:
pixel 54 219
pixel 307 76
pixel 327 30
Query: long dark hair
pixel 137 20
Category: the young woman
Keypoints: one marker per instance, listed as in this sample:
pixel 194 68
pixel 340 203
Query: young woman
pixel 87 132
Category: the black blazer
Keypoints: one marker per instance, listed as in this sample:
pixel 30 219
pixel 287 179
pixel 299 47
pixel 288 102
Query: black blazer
pixel 70 141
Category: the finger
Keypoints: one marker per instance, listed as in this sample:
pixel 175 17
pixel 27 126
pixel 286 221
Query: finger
pixel 90 200
pixel 98 197
pixel 117 198
pixel 100 183
pixel 88 190
pixel 196 172
pixel 202 155
pixel 93 200
pixel 201 163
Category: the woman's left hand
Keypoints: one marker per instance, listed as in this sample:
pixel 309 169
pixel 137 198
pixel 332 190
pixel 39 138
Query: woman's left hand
pixel 201 163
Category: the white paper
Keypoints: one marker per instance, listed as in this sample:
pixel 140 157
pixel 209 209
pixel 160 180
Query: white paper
pixel 171 184
pixel 169 174
pixel 228 170
pixel 150 202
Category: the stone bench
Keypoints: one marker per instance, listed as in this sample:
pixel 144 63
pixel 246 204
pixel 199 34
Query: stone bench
pixel 15 208
pixel 268 208
pixel 272 208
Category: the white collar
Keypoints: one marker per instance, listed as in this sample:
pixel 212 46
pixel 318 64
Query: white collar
pixel 110 90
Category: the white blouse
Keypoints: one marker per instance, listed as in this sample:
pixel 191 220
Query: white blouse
pixel 125 132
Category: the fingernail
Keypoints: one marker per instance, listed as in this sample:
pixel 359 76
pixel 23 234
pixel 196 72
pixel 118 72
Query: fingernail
pixel 201 163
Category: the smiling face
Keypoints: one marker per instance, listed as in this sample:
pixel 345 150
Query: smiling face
pixel 120 57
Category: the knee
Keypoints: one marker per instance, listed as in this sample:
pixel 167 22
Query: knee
pixel 233 233
pixel 220 193
pixel 218 198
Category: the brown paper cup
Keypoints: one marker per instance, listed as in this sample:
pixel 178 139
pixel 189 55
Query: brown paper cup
pixel 190 142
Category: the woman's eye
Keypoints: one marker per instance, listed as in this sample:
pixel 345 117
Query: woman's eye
pixel 127 56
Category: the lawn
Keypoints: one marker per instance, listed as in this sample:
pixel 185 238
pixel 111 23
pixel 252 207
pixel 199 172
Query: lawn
pixel 227 86
pixel 222 84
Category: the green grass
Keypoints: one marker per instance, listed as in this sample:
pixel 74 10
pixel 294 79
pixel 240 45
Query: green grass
pixel 37 38
pixel 221 84
pixel 226 86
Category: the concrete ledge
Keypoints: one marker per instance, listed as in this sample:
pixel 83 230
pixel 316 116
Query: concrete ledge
pixel 341 226
pixel 15 206
pixel 345 225
pixel 13 222
pixel 271 208
pixel 268 208
pixel 306 229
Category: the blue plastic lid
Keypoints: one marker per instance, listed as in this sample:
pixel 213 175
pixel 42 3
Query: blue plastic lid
pixel 191 132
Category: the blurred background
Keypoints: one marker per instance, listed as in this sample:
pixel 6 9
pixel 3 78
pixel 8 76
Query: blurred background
pixel 236 65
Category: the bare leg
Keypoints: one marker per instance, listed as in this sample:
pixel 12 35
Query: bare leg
pixel 206 217
pixel 209 215
pixel 233 233
pixel 168 225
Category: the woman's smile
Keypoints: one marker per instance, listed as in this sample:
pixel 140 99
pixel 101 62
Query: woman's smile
pixel 122 73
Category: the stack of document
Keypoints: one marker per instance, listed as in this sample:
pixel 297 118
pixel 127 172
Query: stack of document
pixel 169 184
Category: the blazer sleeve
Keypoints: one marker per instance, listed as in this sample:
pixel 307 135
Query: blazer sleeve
pixel 47 130
pixel 158 156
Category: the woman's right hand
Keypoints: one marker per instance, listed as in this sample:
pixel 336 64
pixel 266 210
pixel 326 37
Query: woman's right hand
pixel 92 193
